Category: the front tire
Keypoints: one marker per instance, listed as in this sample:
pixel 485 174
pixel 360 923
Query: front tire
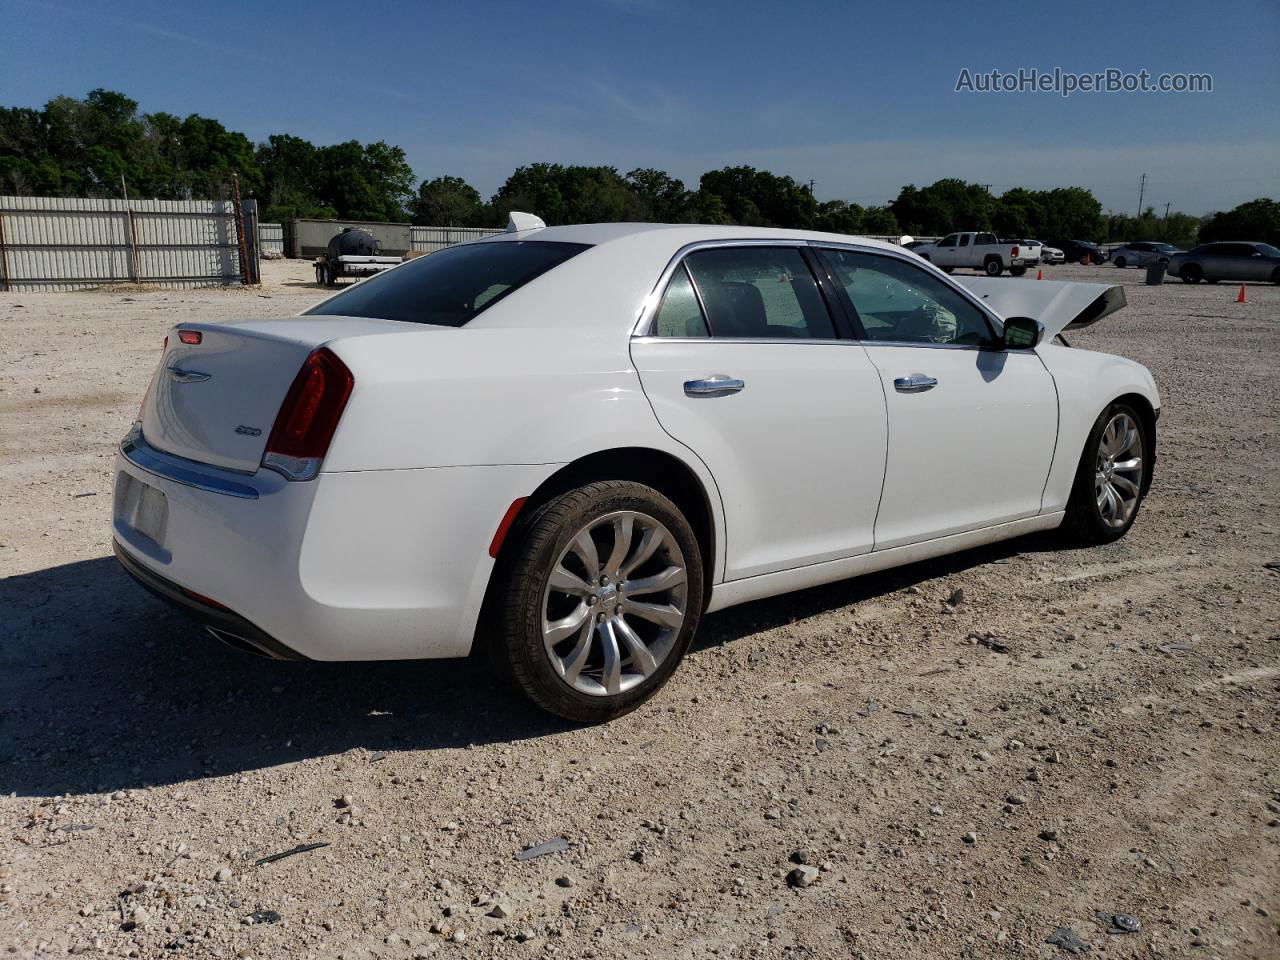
pixel 1112 478
pixel 1191 273
pixel 603 593
pixel 1119 262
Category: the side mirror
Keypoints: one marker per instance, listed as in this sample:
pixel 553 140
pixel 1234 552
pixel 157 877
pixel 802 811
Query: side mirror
pixel 1022 333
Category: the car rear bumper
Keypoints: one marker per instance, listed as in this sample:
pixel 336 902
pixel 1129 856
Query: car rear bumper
pixel 362 565
pixel 225 625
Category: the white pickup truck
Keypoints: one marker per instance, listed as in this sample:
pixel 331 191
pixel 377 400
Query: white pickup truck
pixel 980 251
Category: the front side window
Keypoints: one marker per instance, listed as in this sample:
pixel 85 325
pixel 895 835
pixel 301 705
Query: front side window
pixel 948 241
pixel 451 287
pixel 899 302
pixel 757 292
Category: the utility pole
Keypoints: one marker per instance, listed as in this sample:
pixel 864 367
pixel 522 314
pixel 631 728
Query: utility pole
pixel 811 183
pixel 1142 188
pixel 1166 210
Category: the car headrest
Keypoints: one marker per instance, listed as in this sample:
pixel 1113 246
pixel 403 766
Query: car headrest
pixel 735 309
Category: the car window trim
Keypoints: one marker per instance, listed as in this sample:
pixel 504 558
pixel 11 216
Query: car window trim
pixel 995 323
pixel 645 327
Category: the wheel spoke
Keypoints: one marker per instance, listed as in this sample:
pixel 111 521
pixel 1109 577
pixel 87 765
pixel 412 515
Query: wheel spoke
pixel 577 657
pixel 650 541
pixel 622 527
pixel 1124 486
pixel 1121 508
pixel 1130 441
pixel 1128 466
pixel 641 658
pixel 585 548
pixel 663 614
pixel 665 580
pixel 566 581
pixel 558 630
pixel 611 671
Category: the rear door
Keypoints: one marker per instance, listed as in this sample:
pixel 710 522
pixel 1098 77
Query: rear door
pixel 743 364
pixel 972 429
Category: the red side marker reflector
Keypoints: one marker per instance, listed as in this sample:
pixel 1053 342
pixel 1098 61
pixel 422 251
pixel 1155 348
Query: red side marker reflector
pixel 201 598
pixel 504 527
pixel 191 337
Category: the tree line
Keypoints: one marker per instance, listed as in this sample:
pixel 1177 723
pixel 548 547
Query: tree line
pixel 96 146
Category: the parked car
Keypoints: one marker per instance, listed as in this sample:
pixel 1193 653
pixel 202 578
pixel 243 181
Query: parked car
pixel 1142 254
pixel 1050 255
pixel 981 251
pixel 563 446
pixel 1243 261
pixel 1076 251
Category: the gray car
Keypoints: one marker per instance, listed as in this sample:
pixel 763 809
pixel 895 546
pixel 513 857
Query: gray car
pixel 1227 261
pixel 1142 254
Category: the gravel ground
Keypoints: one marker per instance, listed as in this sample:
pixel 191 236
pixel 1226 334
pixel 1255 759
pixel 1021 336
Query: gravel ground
pixel 1086 733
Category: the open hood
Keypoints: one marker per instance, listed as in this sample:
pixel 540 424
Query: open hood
pixel 1058 304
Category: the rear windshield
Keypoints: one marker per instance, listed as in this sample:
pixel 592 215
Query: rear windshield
pixel 450 287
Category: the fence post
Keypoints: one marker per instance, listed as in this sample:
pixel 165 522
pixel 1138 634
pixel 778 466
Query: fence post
pixel 4 257
pixel 245 279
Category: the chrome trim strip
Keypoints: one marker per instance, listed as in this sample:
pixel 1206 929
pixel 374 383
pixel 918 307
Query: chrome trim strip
pixel 145 457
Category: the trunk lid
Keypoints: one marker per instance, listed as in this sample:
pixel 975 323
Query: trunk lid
pixel 215 402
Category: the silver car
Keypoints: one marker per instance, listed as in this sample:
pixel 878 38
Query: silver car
pixel 1227 261
pixel 1142 254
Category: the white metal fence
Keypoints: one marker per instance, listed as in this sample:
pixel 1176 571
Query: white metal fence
pixel 271 239
pixel 431 239
pixel 425 239
pixel 66 243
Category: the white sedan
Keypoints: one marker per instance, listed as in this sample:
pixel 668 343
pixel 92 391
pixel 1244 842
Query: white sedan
pixel 565 445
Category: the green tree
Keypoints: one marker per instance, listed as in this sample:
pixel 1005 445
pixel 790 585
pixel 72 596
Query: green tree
pixel 447 202
pixel 1258 220
pixel 944 206
pixel 759 198
pixel 568 194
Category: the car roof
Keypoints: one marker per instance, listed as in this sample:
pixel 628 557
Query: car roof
pixel 675 235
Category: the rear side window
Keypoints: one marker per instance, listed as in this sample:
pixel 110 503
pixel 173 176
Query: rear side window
pixel 680 314
pixel 759 293
pixel 451 287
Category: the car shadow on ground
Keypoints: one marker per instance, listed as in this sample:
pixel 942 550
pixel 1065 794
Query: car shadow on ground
pixel 104 688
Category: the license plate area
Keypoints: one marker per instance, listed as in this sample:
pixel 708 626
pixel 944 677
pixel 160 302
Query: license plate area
pixel 142 508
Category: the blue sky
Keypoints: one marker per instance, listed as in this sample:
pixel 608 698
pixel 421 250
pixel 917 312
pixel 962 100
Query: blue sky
pixel 856 96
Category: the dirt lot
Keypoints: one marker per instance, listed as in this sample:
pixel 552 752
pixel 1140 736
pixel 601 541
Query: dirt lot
pixel 1120 754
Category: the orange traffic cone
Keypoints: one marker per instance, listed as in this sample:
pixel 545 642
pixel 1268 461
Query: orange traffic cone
pixel 1039 274
pixel 1240 297
pixel 1086 260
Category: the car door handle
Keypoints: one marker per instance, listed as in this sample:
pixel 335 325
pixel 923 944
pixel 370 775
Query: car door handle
pixel 916 383
pixel 717 386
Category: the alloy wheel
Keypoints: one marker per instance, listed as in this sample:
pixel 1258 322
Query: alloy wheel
pixel 615 603
pixel 1118 476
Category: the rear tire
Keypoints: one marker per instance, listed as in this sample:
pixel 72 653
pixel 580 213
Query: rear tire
pixel 1112 478
pixel 1017 271
pixel 993 267
pixel 612 627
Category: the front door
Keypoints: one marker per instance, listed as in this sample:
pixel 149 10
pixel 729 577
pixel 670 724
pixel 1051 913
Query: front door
pixel 972 428
pixel 743 365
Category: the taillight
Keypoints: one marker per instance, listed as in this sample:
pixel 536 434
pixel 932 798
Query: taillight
pixel 309 416
pixel 190 337
pixel 1015 251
